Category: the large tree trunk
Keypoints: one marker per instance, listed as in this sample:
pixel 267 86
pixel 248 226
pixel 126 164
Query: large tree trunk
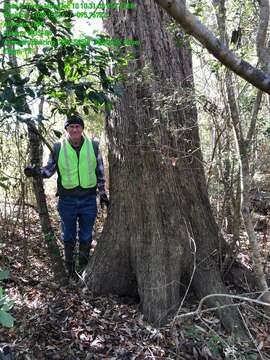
pixel 159 207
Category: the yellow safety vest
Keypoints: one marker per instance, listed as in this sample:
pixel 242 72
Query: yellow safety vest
pixel 77 172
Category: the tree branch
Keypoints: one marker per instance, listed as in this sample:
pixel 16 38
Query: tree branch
pixel 178 10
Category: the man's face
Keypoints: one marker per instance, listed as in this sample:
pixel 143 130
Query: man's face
pixel 74 132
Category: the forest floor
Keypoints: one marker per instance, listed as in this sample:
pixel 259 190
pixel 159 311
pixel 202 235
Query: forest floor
pixel 53 322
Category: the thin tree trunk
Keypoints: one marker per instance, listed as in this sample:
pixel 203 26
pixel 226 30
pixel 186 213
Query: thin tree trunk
pixel 47 230
pixel 35 158
pixel 237 213
pixel 245 210
pixel 242 144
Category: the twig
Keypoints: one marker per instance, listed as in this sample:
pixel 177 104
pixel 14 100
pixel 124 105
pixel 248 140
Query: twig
pixel 259 312
pixel 192 241
pixel 238 297
pixel 250 335
pixel 217 334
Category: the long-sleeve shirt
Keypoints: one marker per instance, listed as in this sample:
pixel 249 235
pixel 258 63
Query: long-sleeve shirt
pixel 51 167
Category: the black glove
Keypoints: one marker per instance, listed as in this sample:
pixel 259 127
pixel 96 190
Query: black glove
pixel 103 198
pixel 31 171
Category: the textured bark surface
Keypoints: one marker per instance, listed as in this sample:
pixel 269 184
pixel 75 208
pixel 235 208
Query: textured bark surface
pixel 47 230
pixel 159 205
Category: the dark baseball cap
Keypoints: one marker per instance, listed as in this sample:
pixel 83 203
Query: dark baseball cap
pixel 74 119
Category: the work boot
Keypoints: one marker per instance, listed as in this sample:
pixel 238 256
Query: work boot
pixel 84 249
pixel 69 259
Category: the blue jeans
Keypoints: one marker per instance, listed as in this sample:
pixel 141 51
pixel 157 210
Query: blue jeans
pixel 81 209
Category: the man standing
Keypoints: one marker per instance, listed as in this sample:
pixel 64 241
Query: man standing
pixel 80 170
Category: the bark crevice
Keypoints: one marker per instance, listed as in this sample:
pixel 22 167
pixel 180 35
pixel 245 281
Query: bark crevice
pixel 159 201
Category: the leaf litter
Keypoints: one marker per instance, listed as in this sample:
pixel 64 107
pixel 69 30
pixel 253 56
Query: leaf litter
pixel 63 323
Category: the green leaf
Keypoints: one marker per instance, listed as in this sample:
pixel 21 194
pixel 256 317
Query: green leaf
pixel 67 69
pixel 6 319
pixel 57 133
pixel 73 73
pixel 39 79
pixel 52 28
pixel 4 75
pixel 20 104
pixel 43 68
pixel 80 92
pixel 30 92
pixel 3 300
pixel 61 67
pixel 86 110
pixel 8 94
pixel 54 41
pixel 50 15
pixel 4 186
pixel 108 107
pixel 104 79
pixel 4 275
pixel 46 49
pixel 97 98
pixel 17 80
pixel 4 178
pixel 7 306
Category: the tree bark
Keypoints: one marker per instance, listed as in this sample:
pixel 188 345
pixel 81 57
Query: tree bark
pixel 237 212
pixel 44 217
pixel 178 10
pixel 159 202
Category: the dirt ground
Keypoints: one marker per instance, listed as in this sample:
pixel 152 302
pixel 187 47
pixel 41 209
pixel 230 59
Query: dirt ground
pixel 69 323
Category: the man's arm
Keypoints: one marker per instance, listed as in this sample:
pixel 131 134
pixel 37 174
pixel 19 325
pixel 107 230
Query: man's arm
pixel 47 171
pixel 50 168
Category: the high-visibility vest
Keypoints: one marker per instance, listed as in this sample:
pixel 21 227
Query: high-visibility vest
pixel 76 171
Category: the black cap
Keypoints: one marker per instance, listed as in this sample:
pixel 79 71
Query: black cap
pixel 74 119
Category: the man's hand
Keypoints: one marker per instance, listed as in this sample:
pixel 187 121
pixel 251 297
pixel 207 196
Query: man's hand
pixel 31 171
pixel 103 198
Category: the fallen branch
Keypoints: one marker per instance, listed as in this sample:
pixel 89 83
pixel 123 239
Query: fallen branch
pixel 244 299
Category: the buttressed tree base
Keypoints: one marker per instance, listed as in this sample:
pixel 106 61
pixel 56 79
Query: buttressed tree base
pixel 160 222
